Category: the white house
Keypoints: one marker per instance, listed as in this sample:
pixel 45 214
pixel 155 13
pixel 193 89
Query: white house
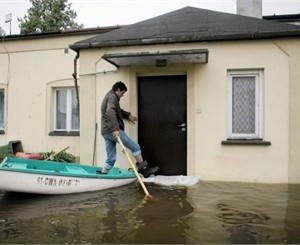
pixel 216 94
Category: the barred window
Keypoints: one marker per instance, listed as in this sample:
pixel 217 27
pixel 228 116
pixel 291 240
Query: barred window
pixel 245 111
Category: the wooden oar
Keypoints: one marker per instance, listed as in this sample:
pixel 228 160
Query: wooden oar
pixel 133 167
pixel 51 157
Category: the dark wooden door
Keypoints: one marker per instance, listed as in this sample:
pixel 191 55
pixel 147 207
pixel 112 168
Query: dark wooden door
pixel 162 122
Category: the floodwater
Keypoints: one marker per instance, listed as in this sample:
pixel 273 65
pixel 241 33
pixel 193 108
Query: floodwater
pixel 209 212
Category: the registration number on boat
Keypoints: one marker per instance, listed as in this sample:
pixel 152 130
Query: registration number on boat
pixel 52 181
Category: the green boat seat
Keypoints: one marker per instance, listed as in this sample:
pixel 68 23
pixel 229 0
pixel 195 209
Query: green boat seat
pixel 76 170
pixel 19 165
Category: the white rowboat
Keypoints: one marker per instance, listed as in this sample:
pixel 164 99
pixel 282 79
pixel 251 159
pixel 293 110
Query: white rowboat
pixel 47 177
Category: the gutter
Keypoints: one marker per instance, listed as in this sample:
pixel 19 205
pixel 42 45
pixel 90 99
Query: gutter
pixel 187 39
pixel 76 83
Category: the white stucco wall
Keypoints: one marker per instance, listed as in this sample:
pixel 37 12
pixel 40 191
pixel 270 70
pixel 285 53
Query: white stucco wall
pixel 28 69
pixel 207 107
pixel 242 163
pixel 292 49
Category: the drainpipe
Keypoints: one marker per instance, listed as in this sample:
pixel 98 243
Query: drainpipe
pixel 76 83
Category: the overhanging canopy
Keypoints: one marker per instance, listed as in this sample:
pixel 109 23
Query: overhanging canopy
pixel 158 58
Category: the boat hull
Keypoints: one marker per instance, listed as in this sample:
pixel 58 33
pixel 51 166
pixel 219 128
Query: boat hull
pixel 27 177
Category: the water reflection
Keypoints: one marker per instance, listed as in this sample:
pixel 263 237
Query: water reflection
pixel 147 220
pixel 292 219
pixel 243 227
pixel 210 213
pixel 162 218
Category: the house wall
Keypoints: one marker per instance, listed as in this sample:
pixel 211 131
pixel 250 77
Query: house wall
pixel 242 162
pixel 294 108
pixel 208 107
pixel 30 68
pixel 28 71
pixel 292 49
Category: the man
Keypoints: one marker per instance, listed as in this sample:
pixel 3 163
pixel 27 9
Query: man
pixel 112 127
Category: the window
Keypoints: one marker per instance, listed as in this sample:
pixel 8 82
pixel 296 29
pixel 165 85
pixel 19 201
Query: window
pixel 66 110
pixel 1 109
pixel 245 105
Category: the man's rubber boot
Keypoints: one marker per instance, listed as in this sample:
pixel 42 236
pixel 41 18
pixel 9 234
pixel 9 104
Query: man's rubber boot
pixel 146 172
pixel 141 165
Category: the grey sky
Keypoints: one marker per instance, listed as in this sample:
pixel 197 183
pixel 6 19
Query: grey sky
pixel 93 13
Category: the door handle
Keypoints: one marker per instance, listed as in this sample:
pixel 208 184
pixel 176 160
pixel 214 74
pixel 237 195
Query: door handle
pixel 183 125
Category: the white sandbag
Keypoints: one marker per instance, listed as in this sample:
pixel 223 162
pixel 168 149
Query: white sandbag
pixel 172 180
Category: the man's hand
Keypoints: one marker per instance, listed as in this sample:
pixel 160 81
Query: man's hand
pixel 132 118
pixel 116 134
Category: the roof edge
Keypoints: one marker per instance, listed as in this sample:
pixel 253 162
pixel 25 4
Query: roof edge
pixel 225 37
pixel 91 30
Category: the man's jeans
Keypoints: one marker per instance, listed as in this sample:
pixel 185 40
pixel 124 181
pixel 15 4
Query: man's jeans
pixel 111 151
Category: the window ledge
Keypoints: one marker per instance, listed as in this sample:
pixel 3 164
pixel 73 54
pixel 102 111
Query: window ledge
pixel 64 133
pixel 2 131
pixel 245 142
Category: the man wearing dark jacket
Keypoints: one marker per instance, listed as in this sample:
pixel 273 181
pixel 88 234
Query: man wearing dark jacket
pixel 112 127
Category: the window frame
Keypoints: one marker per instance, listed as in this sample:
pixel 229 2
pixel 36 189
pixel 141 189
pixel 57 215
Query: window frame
pixel 68 110
pixel 258 74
